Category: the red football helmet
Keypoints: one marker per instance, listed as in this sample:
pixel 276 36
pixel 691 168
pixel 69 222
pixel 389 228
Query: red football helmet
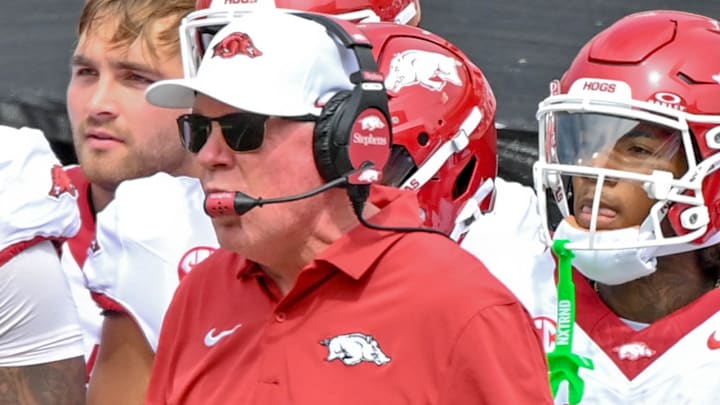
pixel 443 115
pixel 199 26
pixel 641 94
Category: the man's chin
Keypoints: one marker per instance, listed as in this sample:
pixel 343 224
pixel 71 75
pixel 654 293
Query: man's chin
pixel 106 172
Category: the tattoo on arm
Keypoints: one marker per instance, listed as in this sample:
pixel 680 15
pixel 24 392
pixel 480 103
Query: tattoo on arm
pixel 57 383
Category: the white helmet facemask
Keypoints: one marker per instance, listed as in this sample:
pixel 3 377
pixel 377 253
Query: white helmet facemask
pixel 598 135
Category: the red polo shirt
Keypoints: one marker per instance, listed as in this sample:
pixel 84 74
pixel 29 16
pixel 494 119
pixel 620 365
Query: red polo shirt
pixel 379 317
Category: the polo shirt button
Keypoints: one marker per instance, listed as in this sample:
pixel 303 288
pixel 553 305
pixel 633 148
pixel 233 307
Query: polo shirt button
pixel 280 317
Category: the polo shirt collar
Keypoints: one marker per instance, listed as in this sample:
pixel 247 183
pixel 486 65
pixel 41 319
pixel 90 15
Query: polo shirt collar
pixel 356 251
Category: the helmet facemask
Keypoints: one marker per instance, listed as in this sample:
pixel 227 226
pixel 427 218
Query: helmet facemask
pixel 606 142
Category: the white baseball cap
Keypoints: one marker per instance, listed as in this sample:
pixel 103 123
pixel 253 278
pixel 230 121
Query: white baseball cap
pixel 267 62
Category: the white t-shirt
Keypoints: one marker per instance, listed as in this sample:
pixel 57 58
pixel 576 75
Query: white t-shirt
pixel 38 320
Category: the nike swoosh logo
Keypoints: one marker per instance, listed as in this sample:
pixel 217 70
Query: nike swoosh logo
pixel 211 339
pixel 713 343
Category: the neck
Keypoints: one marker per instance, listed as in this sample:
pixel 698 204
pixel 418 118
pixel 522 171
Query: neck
pixel 678 280
pixel 284 268
pixel 100 197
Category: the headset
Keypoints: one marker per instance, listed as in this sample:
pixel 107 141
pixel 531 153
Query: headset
pixel 353 129
pixel 352 139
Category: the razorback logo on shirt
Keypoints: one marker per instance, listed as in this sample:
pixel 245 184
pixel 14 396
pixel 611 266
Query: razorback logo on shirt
pixel 355 348
pixel 633 351
pixel 94 248
pixel 61 183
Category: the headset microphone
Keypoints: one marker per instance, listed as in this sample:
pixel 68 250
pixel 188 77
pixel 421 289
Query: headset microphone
pixel 237 203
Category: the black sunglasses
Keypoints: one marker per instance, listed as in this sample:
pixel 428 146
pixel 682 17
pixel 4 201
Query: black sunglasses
pixel 243 131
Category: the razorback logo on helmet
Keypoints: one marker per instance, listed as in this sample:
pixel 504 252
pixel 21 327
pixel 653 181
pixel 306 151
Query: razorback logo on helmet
pixel 237 43
pixel 61 183
pixel 430 70
pixel 192 257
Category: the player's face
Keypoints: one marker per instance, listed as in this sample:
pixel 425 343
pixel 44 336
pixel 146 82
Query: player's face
pixel 625 203
pixel 117 134
pixel 282 166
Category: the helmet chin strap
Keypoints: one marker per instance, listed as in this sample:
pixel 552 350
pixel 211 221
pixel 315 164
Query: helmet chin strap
pixel 459 142
pixel 471 210
pixel 667 250
pixel 406 14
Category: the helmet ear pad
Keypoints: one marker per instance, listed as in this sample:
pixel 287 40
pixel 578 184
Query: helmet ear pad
pixel 326 147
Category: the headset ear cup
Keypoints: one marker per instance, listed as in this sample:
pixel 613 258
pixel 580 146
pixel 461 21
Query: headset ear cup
pixel 325 149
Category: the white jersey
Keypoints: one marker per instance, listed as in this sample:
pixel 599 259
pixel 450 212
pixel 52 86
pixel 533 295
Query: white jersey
pixel 38 322
pixel 148 238
pixel 74 254
pixel 507 239
pixel 37 197
pixel 672 361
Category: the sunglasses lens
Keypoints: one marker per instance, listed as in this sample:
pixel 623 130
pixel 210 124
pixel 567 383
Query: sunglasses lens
pixel 194 131
pixel 243 132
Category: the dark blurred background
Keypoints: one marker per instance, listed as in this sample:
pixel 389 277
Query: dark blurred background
pixel 519 44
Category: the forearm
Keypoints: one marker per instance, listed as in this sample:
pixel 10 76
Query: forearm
pixel 123 365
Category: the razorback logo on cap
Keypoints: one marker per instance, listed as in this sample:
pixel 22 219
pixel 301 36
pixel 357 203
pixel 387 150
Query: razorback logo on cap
pixel 237 43
pixel 61 183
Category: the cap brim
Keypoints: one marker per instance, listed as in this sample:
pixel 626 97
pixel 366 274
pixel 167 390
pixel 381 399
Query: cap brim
pixel 181 93
pixel 177 93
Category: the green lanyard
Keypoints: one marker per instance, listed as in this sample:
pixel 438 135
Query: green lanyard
pixel 563 363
